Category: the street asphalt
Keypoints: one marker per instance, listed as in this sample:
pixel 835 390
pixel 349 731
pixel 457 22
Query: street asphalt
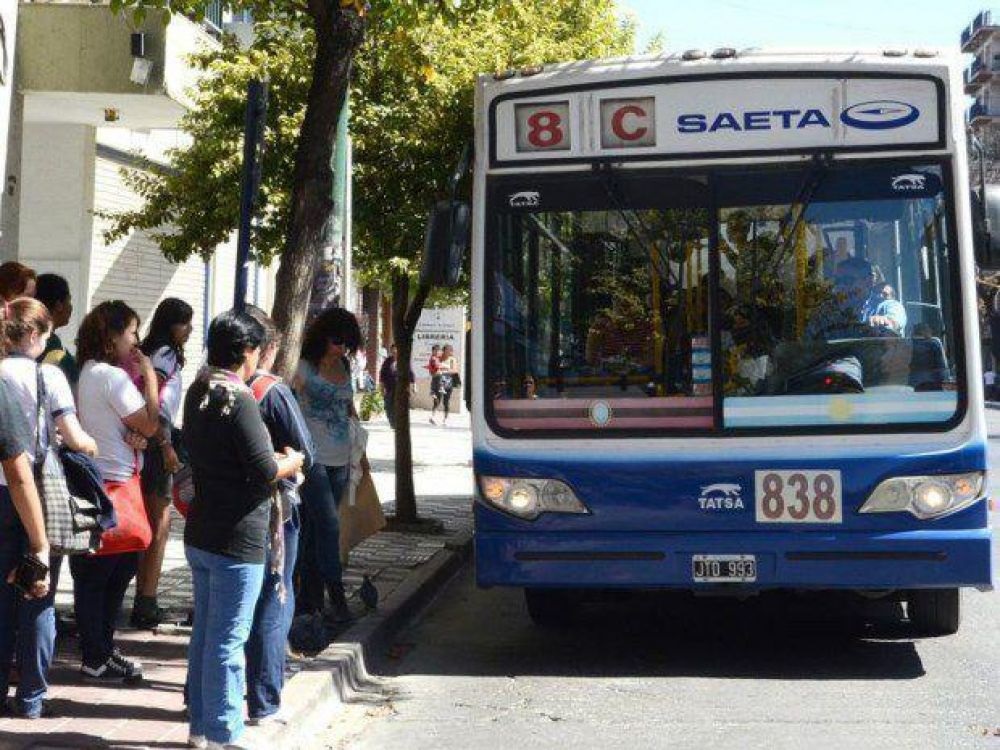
pixel 670 671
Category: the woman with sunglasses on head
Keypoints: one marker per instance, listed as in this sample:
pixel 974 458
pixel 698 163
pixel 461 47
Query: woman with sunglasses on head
pixel 323 387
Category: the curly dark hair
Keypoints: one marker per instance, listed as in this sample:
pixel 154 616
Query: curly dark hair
pixel 95 339
pixel 333 324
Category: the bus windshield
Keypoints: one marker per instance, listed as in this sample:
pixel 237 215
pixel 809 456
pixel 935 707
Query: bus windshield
pixel 826 295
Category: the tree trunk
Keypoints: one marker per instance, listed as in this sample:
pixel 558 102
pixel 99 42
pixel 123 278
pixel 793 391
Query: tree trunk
pixel 338 36
pixel 405 314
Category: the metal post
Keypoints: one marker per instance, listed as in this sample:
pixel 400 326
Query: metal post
pixel 253 146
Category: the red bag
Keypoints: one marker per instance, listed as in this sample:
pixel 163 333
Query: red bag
pixel 133 532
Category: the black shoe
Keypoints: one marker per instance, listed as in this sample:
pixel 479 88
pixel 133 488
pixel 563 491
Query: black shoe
pixel 132 667
pixel 146 615
pixel 338 613
pixel 110 672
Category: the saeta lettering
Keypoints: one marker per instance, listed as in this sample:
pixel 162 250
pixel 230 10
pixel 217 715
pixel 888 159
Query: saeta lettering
pixel 774 119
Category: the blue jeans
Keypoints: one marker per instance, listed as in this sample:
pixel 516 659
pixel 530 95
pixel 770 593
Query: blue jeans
pixel 272 619
pixel 30 624
pixel 321 495
pixel 225 593
pixel 99 586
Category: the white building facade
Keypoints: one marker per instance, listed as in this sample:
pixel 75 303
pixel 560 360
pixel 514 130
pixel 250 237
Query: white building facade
pixel 91 94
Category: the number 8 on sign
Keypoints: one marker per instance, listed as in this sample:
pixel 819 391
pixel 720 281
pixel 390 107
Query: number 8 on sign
pixel 542 126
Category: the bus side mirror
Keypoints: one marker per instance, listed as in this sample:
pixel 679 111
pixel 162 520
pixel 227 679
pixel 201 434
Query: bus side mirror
pixel 445 243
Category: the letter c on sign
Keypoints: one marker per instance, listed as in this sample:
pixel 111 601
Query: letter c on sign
pixel 618 125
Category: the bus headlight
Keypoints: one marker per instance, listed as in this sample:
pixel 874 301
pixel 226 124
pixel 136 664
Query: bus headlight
pixel 926 496
pixel 529 498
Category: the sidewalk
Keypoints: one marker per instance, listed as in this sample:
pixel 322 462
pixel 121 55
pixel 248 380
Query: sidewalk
pixel 399 565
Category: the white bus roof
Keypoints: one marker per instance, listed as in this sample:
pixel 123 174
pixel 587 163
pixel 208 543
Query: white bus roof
pixel 689 106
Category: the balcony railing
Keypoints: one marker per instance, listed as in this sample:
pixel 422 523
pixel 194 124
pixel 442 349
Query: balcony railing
pixel 213 18
pixel 980 28
pixel 981 111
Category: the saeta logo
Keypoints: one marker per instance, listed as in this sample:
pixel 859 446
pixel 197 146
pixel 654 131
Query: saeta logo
pixel 883 114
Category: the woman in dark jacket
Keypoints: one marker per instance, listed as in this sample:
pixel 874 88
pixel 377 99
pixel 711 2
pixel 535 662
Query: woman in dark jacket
pixel 225 538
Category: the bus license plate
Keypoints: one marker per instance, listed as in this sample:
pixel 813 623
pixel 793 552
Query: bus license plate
pixel 724 568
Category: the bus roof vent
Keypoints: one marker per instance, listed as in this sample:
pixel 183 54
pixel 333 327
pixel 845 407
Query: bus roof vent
pixel 925 53
pixel 723 52
pixel 693 54
pixel 894 52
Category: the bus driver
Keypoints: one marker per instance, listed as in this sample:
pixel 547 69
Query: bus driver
pixel 857 299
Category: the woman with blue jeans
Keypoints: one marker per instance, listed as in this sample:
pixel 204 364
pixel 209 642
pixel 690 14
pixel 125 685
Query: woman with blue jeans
pixel 235 469
pixel 22 533
pixel 323 387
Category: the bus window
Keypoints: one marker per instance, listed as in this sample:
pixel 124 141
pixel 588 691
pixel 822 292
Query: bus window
pixel 836 298
pixel 600 318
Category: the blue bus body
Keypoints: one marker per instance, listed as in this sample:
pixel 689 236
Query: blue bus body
pixel 664 437
pixel 646 523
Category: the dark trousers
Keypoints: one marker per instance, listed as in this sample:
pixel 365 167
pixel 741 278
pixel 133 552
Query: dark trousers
pixel 390 406
pixel 29 625
pixel 99 585
pixel 320 562
pixel 272 619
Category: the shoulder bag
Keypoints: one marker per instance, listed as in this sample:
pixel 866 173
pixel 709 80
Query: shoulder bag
pixel 72 523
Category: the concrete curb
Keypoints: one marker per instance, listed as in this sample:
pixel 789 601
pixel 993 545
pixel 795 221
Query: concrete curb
pixel 340 672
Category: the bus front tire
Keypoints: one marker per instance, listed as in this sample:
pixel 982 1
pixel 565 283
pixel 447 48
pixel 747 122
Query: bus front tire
pixel 551 608
pixel 934 611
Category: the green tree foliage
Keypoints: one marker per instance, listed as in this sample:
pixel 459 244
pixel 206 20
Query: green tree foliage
pixel 411 112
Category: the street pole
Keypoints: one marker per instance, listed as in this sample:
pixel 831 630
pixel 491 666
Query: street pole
pixel 253 146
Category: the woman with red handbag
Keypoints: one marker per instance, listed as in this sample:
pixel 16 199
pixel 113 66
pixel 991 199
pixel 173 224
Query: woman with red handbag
pixel 110 406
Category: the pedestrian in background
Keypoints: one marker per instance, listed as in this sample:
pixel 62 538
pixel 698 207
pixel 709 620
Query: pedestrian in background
pixel 225 538
pixel 169 332
pixel 434 368
pixel 16 280
pixel 266 647
pixel 110 406
pixel 323 387
pixel 448 374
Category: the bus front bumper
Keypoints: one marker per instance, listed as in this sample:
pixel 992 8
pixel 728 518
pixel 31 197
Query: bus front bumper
pixel 913 559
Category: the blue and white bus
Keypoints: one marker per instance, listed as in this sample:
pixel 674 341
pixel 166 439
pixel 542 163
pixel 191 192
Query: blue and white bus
pixel 724 330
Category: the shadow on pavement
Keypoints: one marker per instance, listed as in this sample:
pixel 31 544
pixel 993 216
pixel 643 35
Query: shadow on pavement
pixel 661 634
pixel 81 741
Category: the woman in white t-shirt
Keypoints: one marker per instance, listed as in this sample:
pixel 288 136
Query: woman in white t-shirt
pixel 26 327
pixel 110 405
pixel 169 331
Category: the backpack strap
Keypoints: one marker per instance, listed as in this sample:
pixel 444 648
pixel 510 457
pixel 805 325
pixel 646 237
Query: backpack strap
pixel 261 384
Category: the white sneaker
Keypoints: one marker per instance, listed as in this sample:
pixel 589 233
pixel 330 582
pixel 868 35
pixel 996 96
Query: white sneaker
pixel 240 744
pixel 263 721
pixel 197 741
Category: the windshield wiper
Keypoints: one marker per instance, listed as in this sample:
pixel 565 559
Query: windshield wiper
pixel 790 223
pixel 642 235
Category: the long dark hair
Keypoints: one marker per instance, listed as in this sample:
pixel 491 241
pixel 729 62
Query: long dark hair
pixel 95 340
pixel 333 323
pixel 170 312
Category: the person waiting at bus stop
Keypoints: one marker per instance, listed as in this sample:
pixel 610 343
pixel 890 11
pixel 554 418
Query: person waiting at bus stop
pixel 857 303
